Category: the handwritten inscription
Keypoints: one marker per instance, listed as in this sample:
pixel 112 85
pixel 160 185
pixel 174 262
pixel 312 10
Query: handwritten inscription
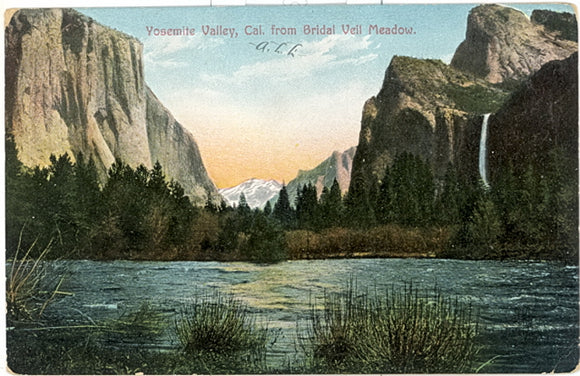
pixel 284 48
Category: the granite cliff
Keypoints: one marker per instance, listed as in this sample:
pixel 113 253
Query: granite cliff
pixel 75 86
pixel 539 119
pixel 435 110
pixel 501 44
pixel 338 166
pixel 425 108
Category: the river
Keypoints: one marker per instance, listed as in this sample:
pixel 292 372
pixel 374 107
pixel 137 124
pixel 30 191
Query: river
pixel 528 310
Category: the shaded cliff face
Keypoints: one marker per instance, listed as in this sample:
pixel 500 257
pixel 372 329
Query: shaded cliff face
pixel 423 108
pixel 502 44
pixel 540 118
pixel 338 166
pixel 175 148
pixel 73 85
pixel 564 24
pixel 435 111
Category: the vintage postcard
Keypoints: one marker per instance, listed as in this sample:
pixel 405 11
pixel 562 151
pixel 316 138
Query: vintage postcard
pixel 311 189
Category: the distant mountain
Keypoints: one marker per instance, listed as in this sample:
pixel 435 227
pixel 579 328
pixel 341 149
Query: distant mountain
pixel 338 166
pixel 257 192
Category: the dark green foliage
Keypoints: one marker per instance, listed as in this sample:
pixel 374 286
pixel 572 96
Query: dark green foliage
pixel 136 214
pixel 451 199
pixel 539 210
pixel 268 209
pixel 58 203
pixel 331 206
pixel 528 213
pixel 407 193
pixel 475 98
pixel 359 205
pixel 283 212
pixel 251 236
pixel 144 214
pixel 307 207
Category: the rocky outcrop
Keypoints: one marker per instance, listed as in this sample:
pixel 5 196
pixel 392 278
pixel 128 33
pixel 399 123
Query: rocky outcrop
pixel 338 166
pixel 539 119
pixel 75 86
pixel 426 108
pixel 501 44
pixel 563 23
pixel 435 111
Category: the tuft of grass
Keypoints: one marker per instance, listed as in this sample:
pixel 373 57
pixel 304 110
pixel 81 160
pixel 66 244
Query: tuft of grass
pixel 144 324
pixel 402 331
pixel 30 287
pixel 221 333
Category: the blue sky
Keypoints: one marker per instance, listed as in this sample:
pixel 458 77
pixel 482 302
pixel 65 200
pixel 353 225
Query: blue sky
pixel 263 114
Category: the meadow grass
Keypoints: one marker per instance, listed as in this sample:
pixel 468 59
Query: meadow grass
pixel 410 330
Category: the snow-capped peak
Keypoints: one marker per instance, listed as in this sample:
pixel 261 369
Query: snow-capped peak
pixel 257 192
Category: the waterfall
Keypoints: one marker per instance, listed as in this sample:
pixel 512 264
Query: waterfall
pixel 483 151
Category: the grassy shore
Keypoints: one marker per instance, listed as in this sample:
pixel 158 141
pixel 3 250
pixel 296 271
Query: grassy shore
pixel 399 331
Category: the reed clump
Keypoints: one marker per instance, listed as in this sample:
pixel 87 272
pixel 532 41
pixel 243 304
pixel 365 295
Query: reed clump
pixel 220 332
pixel 30 285
pixel 400 331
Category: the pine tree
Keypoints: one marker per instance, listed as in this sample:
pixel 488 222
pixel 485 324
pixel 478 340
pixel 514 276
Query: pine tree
pixel 451 198
pixel 268 209
pixel 306 207
pixel 243 203
pixel 358 204
pixel 282 210
pixel 331 207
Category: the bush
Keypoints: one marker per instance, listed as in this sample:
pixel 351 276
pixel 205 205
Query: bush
pixel 401 332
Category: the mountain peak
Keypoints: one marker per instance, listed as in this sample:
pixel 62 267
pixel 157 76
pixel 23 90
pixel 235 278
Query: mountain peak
pixel 503 44
pixel 257 192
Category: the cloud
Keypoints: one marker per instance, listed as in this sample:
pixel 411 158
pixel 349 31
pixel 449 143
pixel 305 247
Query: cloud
pixel 310 58
pixel 167 51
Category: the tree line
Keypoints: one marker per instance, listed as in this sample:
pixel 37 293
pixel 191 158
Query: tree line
pixel 138 214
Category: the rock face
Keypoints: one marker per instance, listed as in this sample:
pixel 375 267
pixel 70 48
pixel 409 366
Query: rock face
pixel 564 24
pixel 502 44
pixel 540 118
pixel 338 166
pixel 435 111
pixel 426 108
pixel 73 85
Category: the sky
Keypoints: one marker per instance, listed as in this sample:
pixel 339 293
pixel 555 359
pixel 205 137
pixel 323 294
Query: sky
pixel 258 112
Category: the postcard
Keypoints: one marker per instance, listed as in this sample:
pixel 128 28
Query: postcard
pixel 311 189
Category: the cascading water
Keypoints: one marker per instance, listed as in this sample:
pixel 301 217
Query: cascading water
pixel 483 151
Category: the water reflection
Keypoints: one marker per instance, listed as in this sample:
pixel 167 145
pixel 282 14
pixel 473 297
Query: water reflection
pixel 529 310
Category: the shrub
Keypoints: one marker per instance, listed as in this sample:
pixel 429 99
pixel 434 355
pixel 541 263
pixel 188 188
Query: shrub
pixel 405 331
